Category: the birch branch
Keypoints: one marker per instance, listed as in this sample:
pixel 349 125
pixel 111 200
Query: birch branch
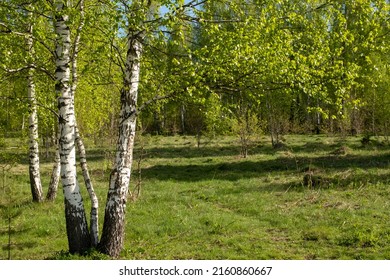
pixel 27 67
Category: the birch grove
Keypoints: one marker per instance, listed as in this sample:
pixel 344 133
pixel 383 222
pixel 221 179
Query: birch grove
pixel 221 67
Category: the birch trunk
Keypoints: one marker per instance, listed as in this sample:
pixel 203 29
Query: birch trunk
pixel 55 177
pixel 34 170
pixel 55 174
pixel 76 222
pixel 79 141
pixel 114 218
pixel 94 226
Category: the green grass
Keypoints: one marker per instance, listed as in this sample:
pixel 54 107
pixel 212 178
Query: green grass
pixel 209 203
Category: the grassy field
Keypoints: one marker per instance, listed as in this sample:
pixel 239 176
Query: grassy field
pixel 209 203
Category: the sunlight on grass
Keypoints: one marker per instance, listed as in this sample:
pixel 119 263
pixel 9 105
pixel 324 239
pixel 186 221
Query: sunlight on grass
pixel 209 203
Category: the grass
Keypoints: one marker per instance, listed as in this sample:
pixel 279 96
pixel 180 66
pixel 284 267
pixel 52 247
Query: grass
pixel 209 203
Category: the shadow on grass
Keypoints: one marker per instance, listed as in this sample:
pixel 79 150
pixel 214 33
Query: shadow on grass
pixel 189 151
pixel 177 152
pixel 14 232
pixel 255 169
pixel 19 246
pixel 230 150
pixel 17 205
pixel 338 182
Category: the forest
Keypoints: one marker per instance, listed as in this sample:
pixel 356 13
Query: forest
pixel 194 129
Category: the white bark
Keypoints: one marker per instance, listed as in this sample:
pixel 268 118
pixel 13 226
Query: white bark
pixel 114 219
pixel 94 228
pixel 76 223
pixel 55 174
pixel 76 49
pixel 34 170
pixel 55 177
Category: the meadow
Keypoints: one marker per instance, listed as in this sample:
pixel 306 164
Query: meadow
pixel 317 197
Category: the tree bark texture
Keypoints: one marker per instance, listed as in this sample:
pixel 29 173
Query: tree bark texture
pixel 94 226
pixel 55 174
pixel 112 239
pixel 34 170
pixel 55 177
pixel 76 222
pixel 94 232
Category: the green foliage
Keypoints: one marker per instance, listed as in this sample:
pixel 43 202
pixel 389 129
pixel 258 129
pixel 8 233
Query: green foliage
pixel 2 142
pixel 248 129
pixel 307 63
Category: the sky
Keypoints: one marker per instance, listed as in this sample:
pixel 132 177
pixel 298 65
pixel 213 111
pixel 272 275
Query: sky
pixel 164 9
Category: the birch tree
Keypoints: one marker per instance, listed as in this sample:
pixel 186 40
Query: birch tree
pixel 142 20
pixel 112 239
pixel 21 26
pixel 249 53
pixel 34 169
pixel 76 222
pixel 78 139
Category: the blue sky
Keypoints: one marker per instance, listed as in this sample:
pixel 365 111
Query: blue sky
pixel 164 9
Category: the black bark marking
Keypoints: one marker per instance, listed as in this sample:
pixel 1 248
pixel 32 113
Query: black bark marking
pixel 77 229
